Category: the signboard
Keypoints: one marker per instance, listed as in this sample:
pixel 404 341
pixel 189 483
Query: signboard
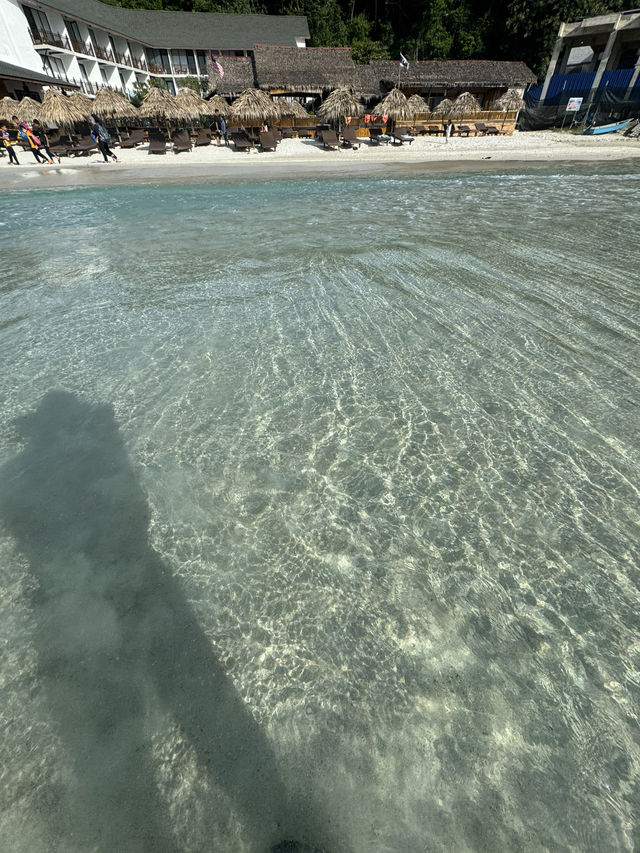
pixel 573 105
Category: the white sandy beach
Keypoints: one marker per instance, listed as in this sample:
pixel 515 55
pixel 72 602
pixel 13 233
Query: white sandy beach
pixel 297 157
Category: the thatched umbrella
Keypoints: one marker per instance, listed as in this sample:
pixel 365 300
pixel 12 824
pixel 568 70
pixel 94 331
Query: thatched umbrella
pixel 511 100
pixel 158 104
pixel 340 104
pixel 8 108
pixel 28 109
pixel 464 105
pixel 109 104
pixel 253 107
pixel 59 110
pixel 217 102
pixel 83 101
pixel 418 105
pixel 395 106
pixel 443 108
pixel 191 104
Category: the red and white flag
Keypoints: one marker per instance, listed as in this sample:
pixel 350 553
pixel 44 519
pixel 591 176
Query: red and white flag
pixel 219 67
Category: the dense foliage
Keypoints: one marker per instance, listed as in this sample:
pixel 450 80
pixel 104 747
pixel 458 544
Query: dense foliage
pixel 421 29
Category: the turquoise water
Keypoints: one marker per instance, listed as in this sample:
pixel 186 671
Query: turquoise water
pixel 319 515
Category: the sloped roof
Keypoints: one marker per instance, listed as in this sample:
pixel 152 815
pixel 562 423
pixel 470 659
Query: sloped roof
pixel 462 73
pixel 196 30
pixel 312 69
pixel 238 75
pixel 17 72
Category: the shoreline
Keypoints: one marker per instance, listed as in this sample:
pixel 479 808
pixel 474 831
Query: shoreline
pixel 298 159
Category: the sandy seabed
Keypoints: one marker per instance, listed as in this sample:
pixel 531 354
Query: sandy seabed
pixel 296 158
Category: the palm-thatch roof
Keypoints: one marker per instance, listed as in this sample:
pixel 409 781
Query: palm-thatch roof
pixel 291 109
pixel 460 75
pixel 110 104
pixel 238 76
pixel 28 109
pixel 313 70
pixel 340 104
pixel 159 104
pixel 191 104
pixel 8 108
pixel 82 101
pixel 418 105
pixel 253 107
pixel 394 105
pixel 511 100
pixel 217 102
pixel 59 110
pixel 443 108
pixel 464 105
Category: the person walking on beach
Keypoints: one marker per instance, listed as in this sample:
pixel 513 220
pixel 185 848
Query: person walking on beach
pixel 41 133
pixel 219 127
pixel 101 135
pixel 27 134
pixel 448 130
pixel 8 144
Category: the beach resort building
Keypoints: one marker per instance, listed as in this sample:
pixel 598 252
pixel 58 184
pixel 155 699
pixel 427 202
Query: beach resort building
pixel 595 65
pixel 86 44
pixel 285 71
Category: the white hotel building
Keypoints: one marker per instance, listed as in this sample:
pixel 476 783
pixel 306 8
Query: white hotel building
pixel 86 44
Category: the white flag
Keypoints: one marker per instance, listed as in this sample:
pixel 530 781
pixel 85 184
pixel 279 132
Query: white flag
pixel 404 62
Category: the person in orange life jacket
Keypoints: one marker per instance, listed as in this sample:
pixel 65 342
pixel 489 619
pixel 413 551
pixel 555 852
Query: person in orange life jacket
pixel 41 133
pixel 26 133
pixel 8 144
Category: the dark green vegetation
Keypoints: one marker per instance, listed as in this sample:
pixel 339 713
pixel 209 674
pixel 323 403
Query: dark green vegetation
pixel 422 29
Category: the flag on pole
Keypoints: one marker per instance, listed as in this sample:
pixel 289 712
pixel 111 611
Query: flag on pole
pixel 217 65
pixel 404 62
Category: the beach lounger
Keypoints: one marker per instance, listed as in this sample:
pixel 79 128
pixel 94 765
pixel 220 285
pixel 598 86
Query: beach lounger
pixel 181 142
pixel 203 137
pixel 350 138
pixel 486 129
pixel 376 136
pixel 267 141
pixel 330 139
pixel 463 129
pixel 241 141
pixel 401 138
pixel 82 148
pixel 134 138
pixel 434 129
pixel 157 142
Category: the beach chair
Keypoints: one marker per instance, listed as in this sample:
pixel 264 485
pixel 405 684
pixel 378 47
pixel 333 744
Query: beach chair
pixel 241 141
pixel 434 129
pixel 82 148
pixel 376 136
pixel 203 137
pixel 401 138
pixel 181 142
pixel 485 129
pixel 267 141
pixel 463 129
pixel 62 145
pixel 157 142
pixel 350 138
pixel 330 139
pixel 134 138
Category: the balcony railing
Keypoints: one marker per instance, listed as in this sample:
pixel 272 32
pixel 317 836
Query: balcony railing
pixel 48 37
pixel 154 68
pixel 103 53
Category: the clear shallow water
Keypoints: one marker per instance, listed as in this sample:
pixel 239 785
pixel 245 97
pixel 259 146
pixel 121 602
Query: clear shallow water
pixel 319 509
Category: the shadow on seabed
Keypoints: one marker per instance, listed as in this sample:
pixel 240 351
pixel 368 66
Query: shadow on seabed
pixel 114 631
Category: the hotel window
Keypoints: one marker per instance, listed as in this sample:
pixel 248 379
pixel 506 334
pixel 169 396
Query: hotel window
pixel 83 72
pixel 122 81
pixel 37 20
pixel 93 39
pixel 202 61
pixel 73 30
pixel 104 75
pixel 54 67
